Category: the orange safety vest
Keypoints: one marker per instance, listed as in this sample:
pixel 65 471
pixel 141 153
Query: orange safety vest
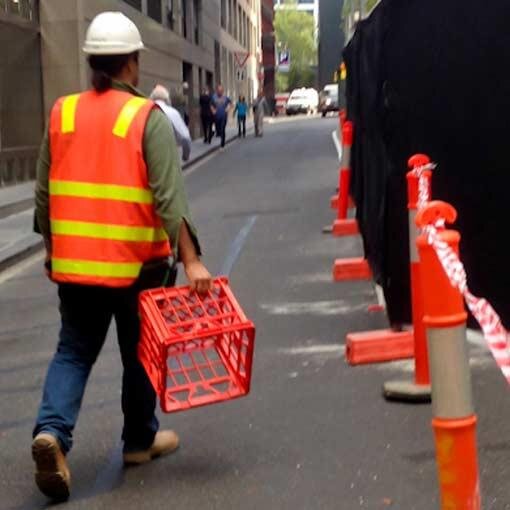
pixel 103 222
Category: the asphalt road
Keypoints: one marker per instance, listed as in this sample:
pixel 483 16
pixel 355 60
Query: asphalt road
pixel 314 433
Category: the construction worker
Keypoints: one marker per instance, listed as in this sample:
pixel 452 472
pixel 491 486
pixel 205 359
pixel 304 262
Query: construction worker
pixel 110 204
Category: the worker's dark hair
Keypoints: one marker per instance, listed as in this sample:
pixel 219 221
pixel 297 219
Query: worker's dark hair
pixel 107 67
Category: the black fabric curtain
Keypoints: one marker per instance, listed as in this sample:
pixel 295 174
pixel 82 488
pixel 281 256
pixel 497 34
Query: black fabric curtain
pixel 433 77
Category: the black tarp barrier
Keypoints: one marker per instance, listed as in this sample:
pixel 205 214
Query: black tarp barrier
pixel 433 77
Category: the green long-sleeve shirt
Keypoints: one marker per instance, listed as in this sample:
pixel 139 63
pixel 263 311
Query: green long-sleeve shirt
pixel 164 173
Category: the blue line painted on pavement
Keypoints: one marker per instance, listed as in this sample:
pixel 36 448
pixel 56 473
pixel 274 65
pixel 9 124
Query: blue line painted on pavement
pixel 110 475
pixel 237 246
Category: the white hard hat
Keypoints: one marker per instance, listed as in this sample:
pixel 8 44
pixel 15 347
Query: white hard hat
pixel 112 33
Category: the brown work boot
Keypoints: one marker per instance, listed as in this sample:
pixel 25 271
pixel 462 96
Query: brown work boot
pixel 165 442
pixel 52 475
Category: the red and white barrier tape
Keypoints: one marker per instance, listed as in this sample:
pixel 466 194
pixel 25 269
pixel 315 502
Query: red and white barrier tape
pixel 494 332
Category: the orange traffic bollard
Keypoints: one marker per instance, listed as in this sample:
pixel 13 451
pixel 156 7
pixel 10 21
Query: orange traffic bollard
pixel 454 422
pixel 334 199
pixel 342 117
pixel 419 390
pixel 344 226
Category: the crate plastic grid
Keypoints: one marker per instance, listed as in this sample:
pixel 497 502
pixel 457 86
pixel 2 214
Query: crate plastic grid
pixel 196 350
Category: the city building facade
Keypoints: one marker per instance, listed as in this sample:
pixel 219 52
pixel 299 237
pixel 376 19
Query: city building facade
pixel 190 44
pixel 331 40
pixel 268 52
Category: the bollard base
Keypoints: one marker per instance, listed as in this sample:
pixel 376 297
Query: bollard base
pixel 342 228
pixel 407 391
pixel 379 346
pixel 351 269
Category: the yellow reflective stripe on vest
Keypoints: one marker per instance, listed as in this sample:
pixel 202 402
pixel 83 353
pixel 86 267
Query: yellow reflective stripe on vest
pixel 101 191
pixel 93 268
pixel 127 115
pixel 69 113
pixel 108 231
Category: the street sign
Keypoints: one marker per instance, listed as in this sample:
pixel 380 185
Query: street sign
pixel 241 58
pixel 283 60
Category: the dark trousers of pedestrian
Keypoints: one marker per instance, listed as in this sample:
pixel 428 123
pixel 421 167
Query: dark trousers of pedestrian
pixel 207 127
pixel 86 313
pixel 221 125
pixel 241 125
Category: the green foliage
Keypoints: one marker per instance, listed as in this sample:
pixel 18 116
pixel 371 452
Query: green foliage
pixel 356 4
pixel 282 82
pixel 370 4
pixel 301 78
pixel 295 31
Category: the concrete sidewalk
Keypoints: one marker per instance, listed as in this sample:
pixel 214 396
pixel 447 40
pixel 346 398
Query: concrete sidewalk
pixel 17 239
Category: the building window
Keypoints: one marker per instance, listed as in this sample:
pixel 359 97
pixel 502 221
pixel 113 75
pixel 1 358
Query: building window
pixel 154 10
pixel 239 23
pixel 170 14
pixel 197 16
pixel 184 18
pixel 137 4
pixel 246 31
pixel 24 8
pixel 224 14
pixel 230 17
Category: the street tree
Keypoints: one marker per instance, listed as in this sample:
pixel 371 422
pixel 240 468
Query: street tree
pixel 295 31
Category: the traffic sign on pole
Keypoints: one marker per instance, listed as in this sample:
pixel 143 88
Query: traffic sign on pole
pixel 241 58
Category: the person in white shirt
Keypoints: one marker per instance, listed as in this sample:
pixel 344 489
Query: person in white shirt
pixel 161 97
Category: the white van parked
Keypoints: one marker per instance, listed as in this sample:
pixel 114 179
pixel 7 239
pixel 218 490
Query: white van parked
pixel 302 101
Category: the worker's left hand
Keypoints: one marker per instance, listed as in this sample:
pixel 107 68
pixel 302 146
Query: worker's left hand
pixel 200 280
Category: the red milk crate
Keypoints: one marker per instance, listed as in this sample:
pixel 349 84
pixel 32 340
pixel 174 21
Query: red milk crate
pixel 196 350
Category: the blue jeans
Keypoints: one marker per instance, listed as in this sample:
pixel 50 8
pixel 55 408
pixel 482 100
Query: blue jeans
pixel 86 314
pixel 221 125
pixel 241 125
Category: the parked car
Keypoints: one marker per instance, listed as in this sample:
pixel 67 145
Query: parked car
pixel 281 102
pixel 328 101
pixel 302 101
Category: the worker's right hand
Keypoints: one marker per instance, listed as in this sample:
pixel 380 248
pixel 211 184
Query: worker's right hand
pixel 200 280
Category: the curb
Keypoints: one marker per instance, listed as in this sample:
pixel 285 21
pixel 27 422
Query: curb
pixel 16 207
pixel 33 247
pixel 15 258
pixel 211 150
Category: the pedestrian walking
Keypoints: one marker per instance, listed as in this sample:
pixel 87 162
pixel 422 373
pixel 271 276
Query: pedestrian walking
pixel 111 207
pixel 206 115
pixel 259 110
pixel 220 106
pixel 161 96
pixel 241 109
pixel 186 105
